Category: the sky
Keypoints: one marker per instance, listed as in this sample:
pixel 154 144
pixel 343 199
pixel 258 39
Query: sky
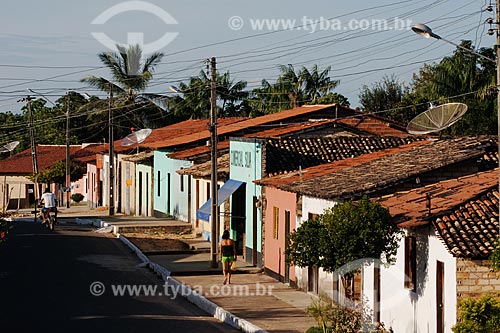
pixel 48 46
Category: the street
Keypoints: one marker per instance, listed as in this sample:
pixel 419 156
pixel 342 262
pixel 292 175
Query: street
pixel 46 279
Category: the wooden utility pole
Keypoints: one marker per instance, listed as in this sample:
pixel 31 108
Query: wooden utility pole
pixel 213 179
pixel 111 171
pixel 33 152
pixel 68 165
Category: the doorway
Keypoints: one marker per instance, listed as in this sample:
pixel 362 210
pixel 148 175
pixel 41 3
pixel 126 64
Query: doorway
pixel 440 297
pixel 238 213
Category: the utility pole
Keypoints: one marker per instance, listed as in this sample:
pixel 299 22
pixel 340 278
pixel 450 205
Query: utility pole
pixel 498 80
pixel 33 150
pixel 213 179
pixel 111 155
pixel 68 166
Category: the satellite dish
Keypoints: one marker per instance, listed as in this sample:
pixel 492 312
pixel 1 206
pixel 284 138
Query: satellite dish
pixel 135 137
pixel 9 147
pixel 436 118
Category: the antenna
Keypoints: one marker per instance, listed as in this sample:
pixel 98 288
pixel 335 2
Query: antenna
pixel 436 118
pixel 135 138
pixel 9 147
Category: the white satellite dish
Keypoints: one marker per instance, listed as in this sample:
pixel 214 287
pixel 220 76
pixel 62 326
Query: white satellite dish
pixel 9 147
pixel 436 118
pixel 135 137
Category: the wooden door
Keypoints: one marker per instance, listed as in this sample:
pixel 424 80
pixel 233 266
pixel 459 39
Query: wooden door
pixel 440 297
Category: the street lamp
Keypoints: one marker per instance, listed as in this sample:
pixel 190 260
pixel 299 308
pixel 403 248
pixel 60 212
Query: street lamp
pixel 425 31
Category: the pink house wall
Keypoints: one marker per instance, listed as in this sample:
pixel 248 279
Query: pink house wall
pixel 274 257
pixel 92 185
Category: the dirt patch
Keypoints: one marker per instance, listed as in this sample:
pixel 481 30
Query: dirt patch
pixel 159 241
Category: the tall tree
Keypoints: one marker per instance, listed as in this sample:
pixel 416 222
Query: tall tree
pixel 468 78
pixel 195 99
pixel 130 76
pixel 317 84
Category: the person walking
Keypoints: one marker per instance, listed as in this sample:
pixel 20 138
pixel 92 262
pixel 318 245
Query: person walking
pixel 227 249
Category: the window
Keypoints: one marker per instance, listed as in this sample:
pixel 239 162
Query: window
pixel 182 183
pixel 158 182
pixel 276 221
pixel 312 216
pixel 410 263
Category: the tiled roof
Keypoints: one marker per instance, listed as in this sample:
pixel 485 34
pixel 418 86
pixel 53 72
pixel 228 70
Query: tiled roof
pixel 276 131
pixel 47 155
pixel 391 169
pixel 414 207
pixel 329 168
pixel 228 129
pixel 204 170
pixel 163 134
pixel 470 230
pixel 290 154
pixel 373 124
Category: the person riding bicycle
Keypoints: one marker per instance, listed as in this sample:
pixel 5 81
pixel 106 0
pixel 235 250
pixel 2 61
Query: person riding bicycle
pixel 49 202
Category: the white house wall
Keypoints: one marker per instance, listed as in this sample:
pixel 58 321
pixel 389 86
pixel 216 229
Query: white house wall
pixel 400 308
pixel 313 206
pixel 143 186
pixel 408 311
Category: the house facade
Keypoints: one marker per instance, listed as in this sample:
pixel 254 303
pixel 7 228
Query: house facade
pixel 419 292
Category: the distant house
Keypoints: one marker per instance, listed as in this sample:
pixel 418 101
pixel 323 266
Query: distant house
pixel 18 191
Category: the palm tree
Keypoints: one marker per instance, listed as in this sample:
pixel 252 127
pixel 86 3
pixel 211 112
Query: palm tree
pixel 317 84
pixel 291 83
pixel 130 76
pixel 128 70
pixel 195 102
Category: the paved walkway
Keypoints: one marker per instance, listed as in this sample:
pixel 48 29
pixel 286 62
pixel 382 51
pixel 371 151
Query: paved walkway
pixel 261 301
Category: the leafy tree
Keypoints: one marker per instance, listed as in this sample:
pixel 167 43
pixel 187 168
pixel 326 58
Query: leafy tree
pixel 332 98
pixel 343 234
pixel 57 173
pixel 195 100
pixel 384 95
pixel 467 75
pixel 267 99
pixel 479 315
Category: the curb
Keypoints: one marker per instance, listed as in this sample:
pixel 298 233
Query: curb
pixel 193 296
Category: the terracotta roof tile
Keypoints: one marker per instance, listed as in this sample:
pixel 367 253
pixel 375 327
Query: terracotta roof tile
pixel 238 126
pixel 329 168
pixel 47 155
pixel 290 154
pixel 411 208
pixel 470 230
pixel 389 170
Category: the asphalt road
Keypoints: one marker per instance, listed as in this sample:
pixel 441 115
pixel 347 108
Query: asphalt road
pixel 46 279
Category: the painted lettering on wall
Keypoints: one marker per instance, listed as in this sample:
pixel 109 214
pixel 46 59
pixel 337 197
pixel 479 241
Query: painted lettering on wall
pixel 241 158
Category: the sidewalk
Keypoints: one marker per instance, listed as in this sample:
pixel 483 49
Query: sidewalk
pixel 255 297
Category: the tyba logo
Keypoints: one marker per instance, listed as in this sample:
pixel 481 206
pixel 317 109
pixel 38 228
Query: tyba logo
pixel 135 38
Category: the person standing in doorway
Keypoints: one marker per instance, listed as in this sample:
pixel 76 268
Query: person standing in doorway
pixel 227 249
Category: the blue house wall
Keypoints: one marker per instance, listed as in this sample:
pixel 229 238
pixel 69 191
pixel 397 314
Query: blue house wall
pixel 170 188
pixel 246 166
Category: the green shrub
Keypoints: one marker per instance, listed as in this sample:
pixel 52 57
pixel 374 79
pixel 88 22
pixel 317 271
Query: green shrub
pixel 336 318
pixel 495 256
pixel 479 315
pixel 77 197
